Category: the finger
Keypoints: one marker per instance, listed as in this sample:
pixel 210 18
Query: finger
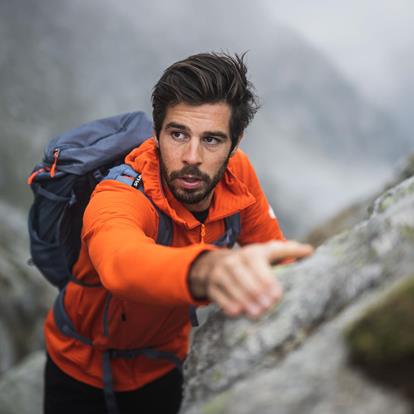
pixel 241 288
pixel 277 250
pixel 245 286
pixel 257 263
pixel 232 300
pixel 227 304
pixel 262 271
pixel 245 278
pixel 270 289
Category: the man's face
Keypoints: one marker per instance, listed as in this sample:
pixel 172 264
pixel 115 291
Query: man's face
pixel 194 145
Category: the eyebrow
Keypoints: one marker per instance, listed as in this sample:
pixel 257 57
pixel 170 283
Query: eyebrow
pixel 218 134
pixel 177 126
pixel 182 127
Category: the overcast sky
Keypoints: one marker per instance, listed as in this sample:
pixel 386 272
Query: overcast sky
pixel 372 41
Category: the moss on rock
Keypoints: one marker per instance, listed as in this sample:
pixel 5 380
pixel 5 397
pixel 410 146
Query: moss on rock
pixel 385 334
pixel 217 405
pixel 393 196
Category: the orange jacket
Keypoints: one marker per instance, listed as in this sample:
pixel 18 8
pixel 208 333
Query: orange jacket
pixel 148 282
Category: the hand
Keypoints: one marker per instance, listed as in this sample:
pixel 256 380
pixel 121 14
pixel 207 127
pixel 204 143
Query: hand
pixel 241 281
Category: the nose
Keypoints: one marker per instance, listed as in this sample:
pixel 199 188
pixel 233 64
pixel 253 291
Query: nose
pixel 192 153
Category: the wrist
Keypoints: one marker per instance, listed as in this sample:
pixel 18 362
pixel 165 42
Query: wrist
pixel 198 276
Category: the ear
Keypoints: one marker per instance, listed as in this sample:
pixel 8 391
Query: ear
pixel 234 150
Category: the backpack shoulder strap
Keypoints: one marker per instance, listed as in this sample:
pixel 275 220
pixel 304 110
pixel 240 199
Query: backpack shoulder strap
pixel 230 236
pixel 124 173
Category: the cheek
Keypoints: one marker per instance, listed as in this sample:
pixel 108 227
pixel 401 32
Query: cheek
pixel 215 165
pixel 218 164
pixel 169 158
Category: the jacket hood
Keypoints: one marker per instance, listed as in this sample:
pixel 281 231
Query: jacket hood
pixel 230 196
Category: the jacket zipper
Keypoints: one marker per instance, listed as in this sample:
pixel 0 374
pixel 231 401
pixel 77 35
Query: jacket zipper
pixel 202 233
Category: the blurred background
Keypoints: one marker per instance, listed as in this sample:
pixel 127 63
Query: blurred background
pixel 334 78
pixel 335 81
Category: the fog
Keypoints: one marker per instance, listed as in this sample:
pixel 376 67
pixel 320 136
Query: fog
pixel 370 41
pixel 335 117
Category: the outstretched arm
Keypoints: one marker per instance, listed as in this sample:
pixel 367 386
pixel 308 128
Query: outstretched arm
pixel 240 281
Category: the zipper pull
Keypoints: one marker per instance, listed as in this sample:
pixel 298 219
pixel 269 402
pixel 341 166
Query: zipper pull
pixel 203 233
pixel 56 152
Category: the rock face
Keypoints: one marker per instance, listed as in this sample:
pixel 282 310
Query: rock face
pixel 296 358
pixel 21 390
pixel 381 342
pixel 24 295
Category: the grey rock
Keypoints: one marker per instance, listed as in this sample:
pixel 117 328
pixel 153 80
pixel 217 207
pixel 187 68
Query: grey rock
pixel 24 295
pixel 21 389
pixel 384 335
pixel 373 254
pixel 316 378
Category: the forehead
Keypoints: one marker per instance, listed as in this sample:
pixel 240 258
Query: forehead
pixel 199 118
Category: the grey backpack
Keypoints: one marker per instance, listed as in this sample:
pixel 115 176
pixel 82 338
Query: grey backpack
pixel 62 183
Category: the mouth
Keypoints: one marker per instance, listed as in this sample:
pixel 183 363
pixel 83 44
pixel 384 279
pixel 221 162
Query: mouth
pixel 190 182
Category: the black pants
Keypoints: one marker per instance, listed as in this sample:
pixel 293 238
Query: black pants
pixel 65 395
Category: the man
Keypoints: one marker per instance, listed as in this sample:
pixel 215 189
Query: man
pixel 139 291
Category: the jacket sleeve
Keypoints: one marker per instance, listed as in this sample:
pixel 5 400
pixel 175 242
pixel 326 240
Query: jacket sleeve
pixel 258 221
pixel 119 228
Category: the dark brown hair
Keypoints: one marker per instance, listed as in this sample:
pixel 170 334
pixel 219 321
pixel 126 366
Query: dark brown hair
pixel 207 78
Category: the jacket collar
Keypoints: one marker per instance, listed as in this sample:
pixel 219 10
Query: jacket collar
pixel 230 195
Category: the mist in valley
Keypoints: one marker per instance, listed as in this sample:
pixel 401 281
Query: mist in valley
pixel 318 142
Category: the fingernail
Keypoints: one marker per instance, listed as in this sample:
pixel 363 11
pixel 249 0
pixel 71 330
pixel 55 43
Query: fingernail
pixel 276 292
pixel 265 301
pixel 253 309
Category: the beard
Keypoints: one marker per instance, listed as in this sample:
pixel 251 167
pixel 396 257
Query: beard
pixel 191 196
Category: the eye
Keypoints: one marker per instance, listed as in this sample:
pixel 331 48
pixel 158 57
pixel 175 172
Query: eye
pixel 178 135
pixel 210 140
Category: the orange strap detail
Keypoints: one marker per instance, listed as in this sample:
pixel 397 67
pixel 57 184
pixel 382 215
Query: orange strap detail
pixel 55 158
pixel 33 175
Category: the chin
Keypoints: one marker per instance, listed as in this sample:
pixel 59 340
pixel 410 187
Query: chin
pixel 189 197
